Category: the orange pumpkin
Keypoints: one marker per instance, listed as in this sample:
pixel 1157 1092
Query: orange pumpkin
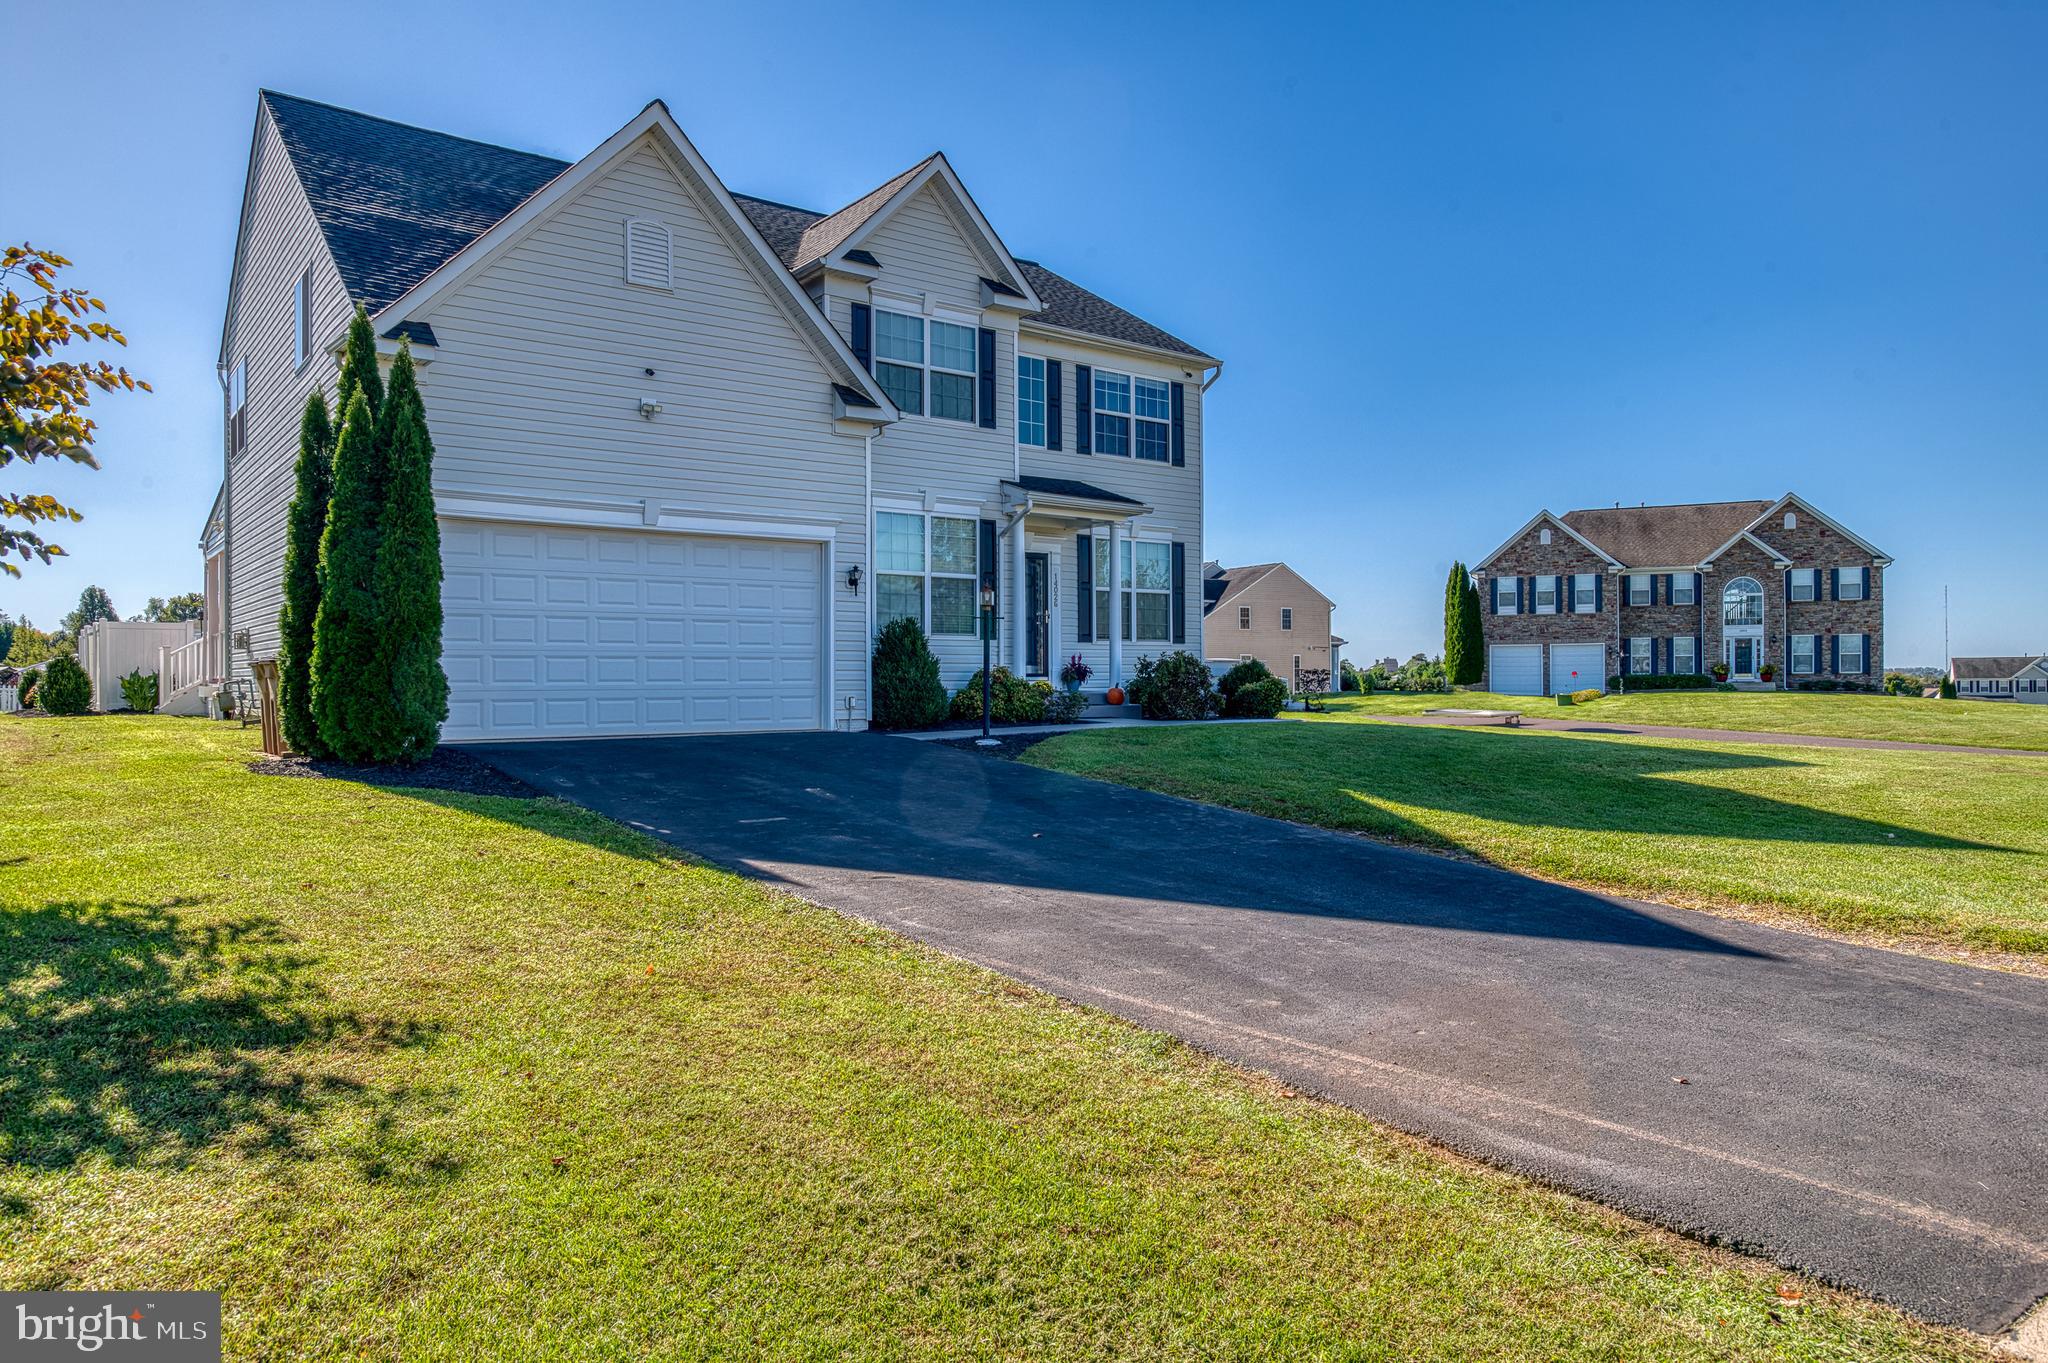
pixel 1115 696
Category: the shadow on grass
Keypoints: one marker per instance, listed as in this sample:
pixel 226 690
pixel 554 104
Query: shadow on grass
pixel 131 1035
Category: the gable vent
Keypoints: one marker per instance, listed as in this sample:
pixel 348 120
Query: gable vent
pixel 647 254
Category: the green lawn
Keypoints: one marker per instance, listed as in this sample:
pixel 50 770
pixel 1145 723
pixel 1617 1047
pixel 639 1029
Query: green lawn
pixel 1946 846
pixel 442 1077
pixel 1976 723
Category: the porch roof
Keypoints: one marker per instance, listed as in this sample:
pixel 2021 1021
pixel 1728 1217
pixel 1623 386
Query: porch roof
pixel 1072 496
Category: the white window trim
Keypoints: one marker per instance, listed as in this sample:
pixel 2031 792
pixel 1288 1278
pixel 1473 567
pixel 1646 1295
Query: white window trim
pixel 1649 588
pixel 1130 418
pixel 925 571
pixel 1862 584
pixel 1648 658
pixel 1691 597
pixel 1812 655
pixel 1044 403
pixel 1812 584
pixel 1507 607
pixel 1536 606
pixel 1287 618
pixel 1130 593
pixel 302 319
pixel 929 365
pixel 1692 659
pixel 1592 594
pixel 1862 667
pixel 1762 605
pixel 238 403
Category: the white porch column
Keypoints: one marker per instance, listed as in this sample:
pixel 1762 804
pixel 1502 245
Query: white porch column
pixel 1116 605
pixel 1020 606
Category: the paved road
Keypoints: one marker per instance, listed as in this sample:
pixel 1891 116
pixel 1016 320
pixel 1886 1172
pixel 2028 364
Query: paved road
pixel 1876 1119
pixel 1580 726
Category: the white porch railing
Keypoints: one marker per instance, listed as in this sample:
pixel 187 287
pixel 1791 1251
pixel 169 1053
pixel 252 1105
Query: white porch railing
pixel 180 668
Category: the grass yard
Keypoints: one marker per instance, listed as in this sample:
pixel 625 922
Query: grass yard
pixel 1975 723
pixel 1945 846
pixel 407 1074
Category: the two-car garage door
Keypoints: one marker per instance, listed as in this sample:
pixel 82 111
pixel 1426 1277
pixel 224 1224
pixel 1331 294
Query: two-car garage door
pixel 558 632
pixel 1517 669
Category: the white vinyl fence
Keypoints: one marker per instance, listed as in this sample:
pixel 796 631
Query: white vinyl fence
pixel 10 699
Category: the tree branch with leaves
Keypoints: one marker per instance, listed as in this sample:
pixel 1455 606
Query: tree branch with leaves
pixel 43 399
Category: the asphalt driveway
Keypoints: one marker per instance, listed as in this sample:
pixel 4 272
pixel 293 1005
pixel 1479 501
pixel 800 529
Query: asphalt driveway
pixel 1878 1120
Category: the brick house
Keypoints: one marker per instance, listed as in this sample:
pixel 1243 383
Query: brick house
pixel 1773 588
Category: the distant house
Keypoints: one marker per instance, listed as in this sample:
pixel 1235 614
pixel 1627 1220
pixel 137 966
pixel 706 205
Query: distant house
pixel 2017 677
pixel 1270 612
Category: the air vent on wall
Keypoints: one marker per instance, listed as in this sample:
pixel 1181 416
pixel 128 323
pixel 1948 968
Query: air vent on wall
pixel 647 254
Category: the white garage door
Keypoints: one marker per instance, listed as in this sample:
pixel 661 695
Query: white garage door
pixel 1589 661
pixel 552 632
pixel 1515 669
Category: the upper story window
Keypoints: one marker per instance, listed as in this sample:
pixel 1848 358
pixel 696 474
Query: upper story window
pixel 1244 617
pixel 1585 593
pixel 1132 416
pixel 1639 589
pixel 302 318
pixel 927 569
pixel 1287 617
pixel 1803 583
pixel 1682 589
pixel 1546 596
pixel 1791 520
pixel 238 401
pixel 1147 581
pixel 1505 596
pixel 1743 602
pixel 1850 584
pixel 1030 400
pixel 937 379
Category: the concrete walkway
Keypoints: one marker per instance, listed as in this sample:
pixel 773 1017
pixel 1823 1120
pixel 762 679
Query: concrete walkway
pixel 1575 726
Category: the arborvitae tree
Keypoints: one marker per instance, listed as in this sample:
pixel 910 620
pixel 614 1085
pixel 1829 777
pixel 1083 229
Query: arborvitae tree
pixel 359 373
pixel 1948 687
pixel 304 524
pixel 1475 637
pixel 346 650
pixel 408 577
pixel 1464 650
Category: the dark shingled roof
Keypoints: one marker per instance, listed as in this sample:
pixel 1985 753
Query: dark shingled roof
pixel 1991 669
pixel 395 202
pixel 1070 487
pixel 1229 582
pixel 1664 536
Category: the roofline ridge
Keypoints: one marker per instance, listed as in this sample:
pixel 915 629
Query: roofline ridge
pixel 265 92
pixel 777 203
pixel 1672 506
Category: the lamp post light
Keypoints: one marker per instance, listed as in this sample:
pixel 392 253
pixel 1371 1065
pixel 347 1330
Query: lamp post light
pixel 988 635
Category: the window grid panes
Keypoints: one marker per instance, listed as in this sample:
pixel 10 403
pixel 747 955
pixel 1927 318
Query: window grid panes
pixel 1030 400
pixel 942 600
pixel 1546 596
pixel 1849 653
pixel 1639 657
pixel 1683 660
pixel 1112 412
pixel 1681 589
pixel 1849 584
pixel 1583 593
pixel 1803 584
pixel 1287 617
pixel 1639 589
pixel 1147 590
pixel 1154 400
pixel 1743 603
pixel 1803 653
pixel 1504 595
pixel 942 385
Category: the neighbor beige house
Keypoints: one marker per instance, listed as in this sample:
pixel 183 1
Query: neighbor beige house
pixel 1270 612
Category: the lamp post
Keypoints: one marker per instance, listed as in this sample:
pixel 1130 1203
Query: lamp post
pixel 988 635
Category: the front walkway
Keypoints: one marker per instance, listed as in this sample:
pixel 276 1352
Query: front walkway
pixel 1579 726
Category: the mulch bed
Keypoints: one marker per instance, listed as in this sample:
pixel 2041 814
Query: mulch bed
pixel 1007 745
pixel 448 769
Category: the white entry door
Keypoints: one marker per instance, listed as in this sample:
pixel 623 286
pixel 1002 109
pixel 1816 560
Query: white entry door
pixel 556 632
pixel 1577 667
pixel 1515 669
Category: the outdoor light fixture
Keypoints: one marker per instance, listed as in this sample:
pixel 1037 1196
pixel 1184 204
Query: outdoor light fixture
pixel 988 638
pixel 853 579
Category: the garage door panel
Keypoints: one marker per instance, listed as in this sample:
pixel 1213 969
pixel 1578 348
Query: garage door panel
pixel 650 632
pixel 1515 669
pixel 1588 661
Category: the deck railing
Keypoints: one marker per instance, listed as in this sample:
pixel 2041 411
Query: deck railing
pixel 180 668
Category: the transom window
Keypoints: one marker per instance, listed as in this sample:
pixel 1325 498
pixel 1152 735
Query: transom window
pixel 1803 583
pixel 1546 596
pixel 1030 400
pixel 1131 415
pixel 1849 585
pixel 1585 593
pixel 1681 590
pixel 1147 581
pixel 940 383
pixel 1684 656
pixel 927 569
pixel 1504 595
pixel 1743 602
pixel 1639 589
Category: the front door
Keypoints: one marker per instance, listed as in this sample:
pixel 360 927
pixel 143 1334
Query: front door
pixel 1742 657
pixel 1037 601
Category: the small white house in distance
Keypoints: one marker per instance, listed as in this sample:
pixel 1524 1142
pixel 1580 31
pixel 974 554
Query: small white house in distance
pixel 2017 677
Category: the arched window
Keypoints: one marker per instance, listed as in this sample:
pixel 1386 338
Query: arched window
pixel 1743 602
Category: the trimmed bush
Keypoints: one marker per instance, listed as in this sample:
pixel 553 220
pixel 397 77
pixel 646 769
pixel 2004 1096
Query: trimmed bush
pixel 1175 686
pixel 1663 681
pixel 305 522
pixel 1244 674
pixel 407 580
pixel 347 687
pixel 1586 697
pixel 1011 699
pixel 64 689
pixel 1064 707
pixel 1257 699
pixel 138 688
pixel 905 672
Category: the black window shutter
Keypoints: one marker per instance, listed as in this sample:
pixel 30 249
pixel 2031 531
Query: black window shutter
pixel 1699 661
pixel 863 336
pixel 1653 589
pixel 1521 596
pixel 1834 584
pixel 1055 405
pixel 991 573
pixel 1599 591
pixel 1834 653
pixel 1493 596
pixel 988 379
pixel 1084 583
pixel 1788 586
pixel 1084 413
pixel 1180 428
pixel 1180 589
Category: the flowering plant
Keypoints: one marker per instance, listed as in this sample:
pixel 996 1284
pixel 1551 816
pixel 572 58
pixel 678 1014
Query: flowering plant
pixel 1075 672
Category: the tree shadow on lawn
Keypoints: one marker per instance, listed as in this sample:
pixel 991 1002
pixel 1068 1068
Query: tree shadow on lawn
pixel 131 1035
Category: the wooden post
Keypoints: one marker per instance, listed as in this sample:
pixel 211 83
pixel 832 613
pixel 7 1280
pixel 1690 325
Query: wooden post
pixel 266 687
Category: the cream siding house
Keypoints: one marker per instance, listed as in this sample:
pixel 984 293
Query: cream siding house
pixel 1270 612
pixel 2019 678
pixel 676 492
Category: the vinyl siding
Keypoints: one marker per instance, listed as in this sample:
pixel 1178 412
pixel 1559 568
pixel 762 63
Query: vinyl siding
pixel 536 385
pixel 279 241
pixel 1280 589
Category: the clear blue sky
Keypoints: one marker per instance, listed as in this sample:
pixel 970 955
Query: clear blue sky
pixel 1464 261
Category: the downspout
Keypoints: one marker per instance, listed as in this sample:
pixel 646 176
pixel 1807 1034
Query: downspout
pixel 867 475
pixel 1210 382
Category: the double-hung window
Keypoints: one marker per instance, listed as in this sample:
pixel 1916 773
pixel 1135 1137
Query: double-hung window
pixel 238 402
pixel 1546 596
pixel 1684 660
pixel 1155 409
pixel 927 569
pixel 1112 412
pixel 1804 651
pixel 938 379
pixel 1585 593
pixel 302 318
pixel 1682 593
pixel 1803 583
pixel 1132 416
pixel 1639 589
pixel 1640 657
pixel 1287 617
pixel 1244 617
pixel 1505 595
pixel 1850 586
pixel 1849 654
pixel 1030 400
pixel 1146 580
